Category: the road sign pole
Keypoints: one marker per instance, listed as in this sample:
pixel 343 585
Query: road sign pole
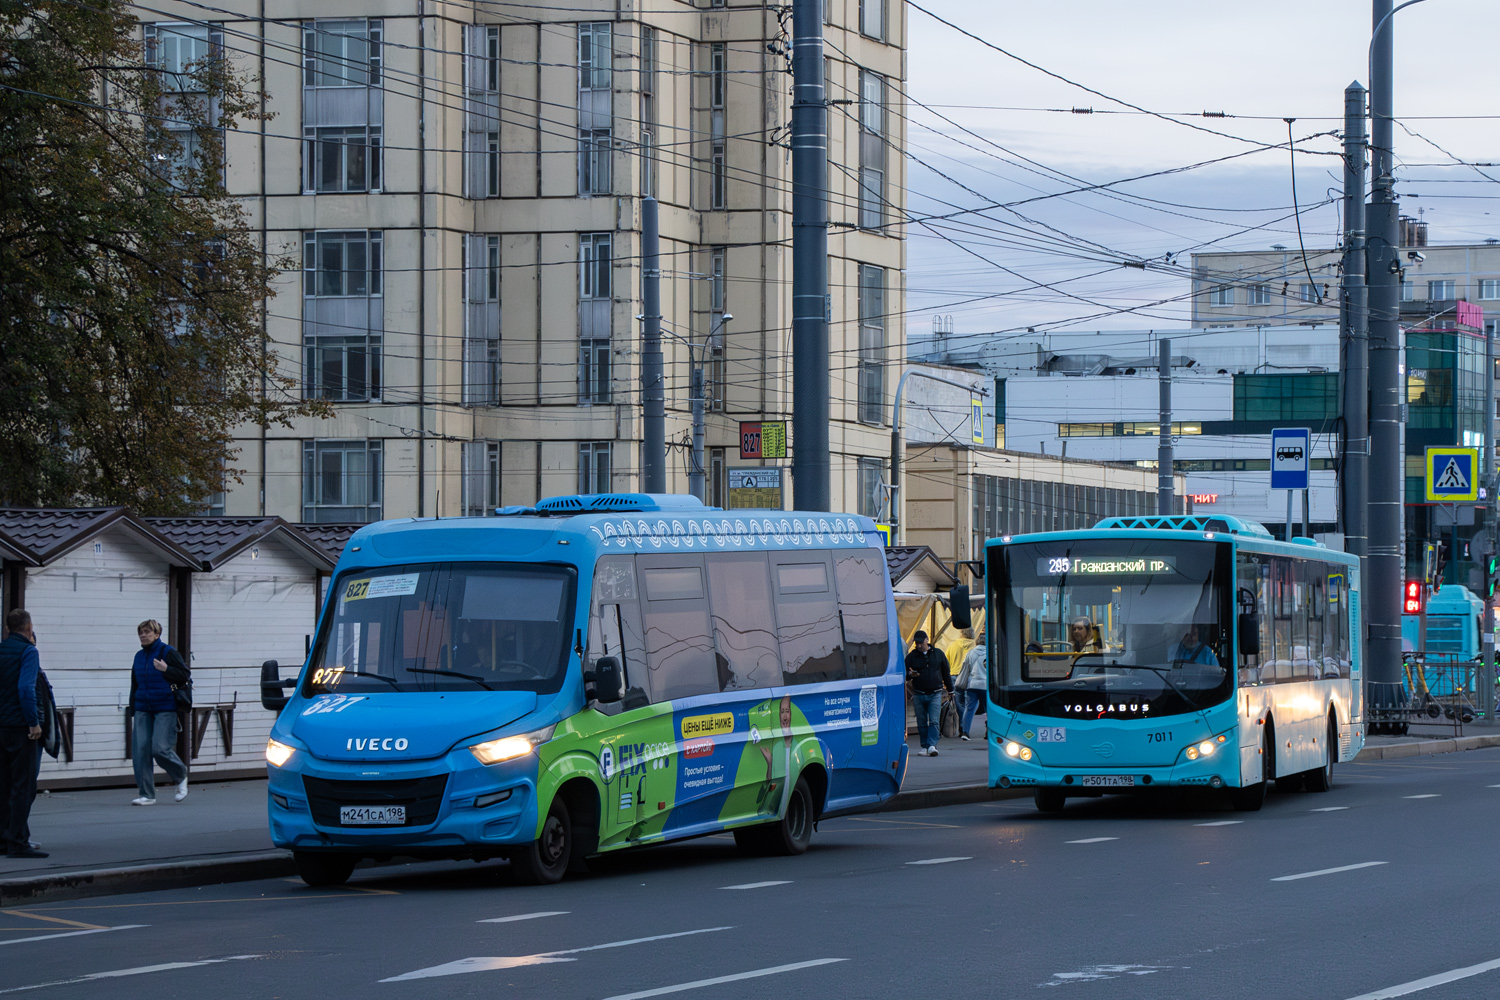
pixel 1288 534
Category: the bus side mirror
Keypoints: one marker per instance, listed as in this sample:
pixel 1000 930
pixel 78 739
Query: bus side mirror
pixel 609 679
pixel 1249 629
pixel 958 607
pixel 272 686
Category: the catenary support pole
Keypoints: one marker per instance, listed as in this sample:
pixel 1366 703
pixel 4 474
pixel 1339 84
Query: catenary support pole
pixel 695 468
pixel 653 374
pixel 810 410
pixel 1487 641
pixel 1354 337
pixel 1164 428
pixel 1382 585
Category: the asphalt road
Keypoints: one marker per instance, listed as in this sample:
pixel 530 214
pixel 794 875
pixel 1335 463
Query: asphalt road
pixel 1115 898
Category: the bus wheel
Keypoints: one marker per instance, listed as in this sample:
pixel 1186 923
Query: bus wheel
pixel 1050 800
pixel 1251 797
pixel 545 860
pixel 324 869
pixel 789 835
pixel 1321 779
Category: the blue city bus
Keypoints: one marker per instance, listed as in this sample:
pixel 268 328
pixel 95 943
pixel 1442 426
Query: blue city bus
pixel 1167 652
pixel 589 674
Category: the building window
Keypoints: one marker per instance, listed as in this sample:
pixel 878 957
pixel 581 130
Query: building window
pixel 1489 288
pixel 1129 428
pixel 716 167
pixel 714 360
pixel 717 477
pixel 872 18
pixel 342 159
pixel 594 266
pixel 481 478
pixel 1408 291
pixel 1309 293
pixel 595 57
pixel 871 344
pixel 341 481
pixel 593 467
pixel 342 263
pixel 871 150
pixel 341 329
pixel 179 51
pixel 594 163
pixel 482 111
pixel 593 371
pixel 1442 290
pixel 341 53
pixel 481 362
pixel 718 193
pixel 1221 295
pixel 717 64
pixel 871 473
pixel 716 258
pixel 648 111
pixel 1259 295
pixel 1311 397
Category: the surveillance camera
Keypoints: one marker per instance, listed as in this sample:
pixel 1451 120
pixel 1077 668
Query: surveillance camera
pixel 1416 255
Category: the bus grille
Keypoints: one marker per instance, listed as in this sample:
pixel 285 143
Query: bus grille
pixel 422 797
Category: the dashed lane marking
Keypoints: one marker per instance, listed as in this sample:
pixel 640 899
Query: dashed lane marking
pixel 757 885
pixel 1329 809
pixel 1429 795
pixel 1329 871
pixel 69 934
pixel 524 916
pixel 754 974
pixel 55 920
pixel 463 965
pixel 938 861
pixel 1222 822
pixel 1092 840
pixel 121 973
pixel 1442 978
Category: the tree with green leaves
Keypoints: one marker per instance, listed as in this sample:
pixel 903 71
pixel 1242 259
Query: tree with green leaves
pixel 132 287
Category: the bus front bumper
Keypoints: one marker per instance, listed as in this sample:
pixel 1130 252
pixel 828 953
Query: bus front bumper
pixel 1221 769
pixel 453 806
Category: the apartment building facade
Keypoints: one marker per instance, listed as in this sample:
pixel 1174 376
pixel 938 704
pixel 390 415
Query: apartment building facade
pixel 456 190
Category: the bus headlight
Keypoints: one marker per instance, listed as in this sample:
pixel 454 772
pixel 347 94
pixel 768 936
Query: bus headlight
pixel 278 753
pixel 510 747
pixel 1014 749
pixel 1204 749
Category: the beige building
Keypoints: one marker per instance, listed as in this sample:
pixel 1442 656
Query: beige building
pixel 1276 287
pixel 458 191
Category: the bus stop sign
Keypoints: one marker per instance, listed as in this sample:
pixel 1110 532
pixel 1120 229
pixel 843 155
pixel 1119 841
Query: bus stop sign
pixel 1289 453
pixel 1452 475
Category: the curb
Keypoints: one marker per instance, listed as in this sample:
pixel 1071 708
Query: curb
pixel 277 864
pixel 145 878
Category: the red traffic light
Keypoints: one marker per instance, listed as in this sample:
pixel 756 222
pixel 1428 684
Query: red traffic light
pixel 1412 605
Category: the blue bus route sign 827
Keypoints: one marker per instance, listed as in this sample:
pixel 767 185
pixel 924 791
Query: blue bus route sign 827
pixel 1452 475
pixel 1289 453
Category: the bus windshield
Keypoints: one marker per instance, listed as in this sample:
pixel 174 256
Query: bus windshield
pixel 1112 628
pixel 446 627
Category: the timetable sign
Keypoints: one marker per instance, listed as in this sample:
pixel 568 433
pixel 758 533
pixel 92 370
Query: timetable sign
pixel 759 488
pixel 763 439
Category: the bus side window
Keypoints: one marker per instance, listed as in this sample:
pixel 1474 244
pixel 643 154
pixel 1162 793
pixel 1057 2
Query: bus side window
pixel 679 639
pixel 807 618
pixel 615 626
pixel 1255 615
pixel 861 578
pixel 739 592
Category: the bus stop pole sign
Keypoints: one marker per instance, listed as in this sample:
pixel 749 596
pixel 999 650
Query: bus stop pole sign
pixel 1289 452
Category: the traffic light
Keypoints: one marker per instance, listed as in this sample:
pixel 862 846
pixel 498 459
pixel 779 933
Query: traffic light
pixel 1491 575
pixel 1439 563
pixel 1413 603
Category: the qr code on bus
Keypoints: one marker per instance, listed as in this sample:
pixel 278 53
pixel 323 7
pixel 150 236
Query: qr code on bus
pixel 869 718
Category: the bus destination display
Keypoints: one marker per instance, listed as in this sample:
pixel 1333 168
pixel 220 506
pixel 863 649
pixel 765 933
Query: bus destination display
pixel 1105 565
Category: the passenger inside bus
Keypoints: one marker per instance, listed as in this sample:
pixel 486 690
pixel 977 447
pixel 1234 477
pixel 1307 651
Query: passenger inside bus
pixel 1084 636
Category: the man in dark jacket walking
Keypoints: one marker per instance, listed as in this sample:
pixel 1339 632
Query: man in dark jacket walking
pixel 20 729
pixel 927 670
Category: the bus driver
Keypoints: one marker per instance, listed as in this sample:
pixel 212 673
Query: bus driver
pixel 1192 649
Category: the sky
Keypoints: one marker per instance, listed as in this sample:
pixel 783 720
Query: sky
pixel 1055 262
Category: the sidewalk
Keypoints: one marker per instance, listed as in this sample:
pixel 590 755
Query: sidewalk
pixel 99 843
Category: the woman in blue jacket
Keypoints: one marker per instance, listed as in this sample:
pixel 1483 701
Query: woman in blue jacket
pixel 157 672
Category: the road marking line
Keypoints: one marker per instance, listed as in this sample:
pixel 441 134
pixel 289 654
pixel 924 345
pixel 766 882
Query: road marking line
pixel 1330 871
pixel 700 983
pixel 1329 809
pixel 119 973
pixel 1092 840
pixel 524 916
pixel 757 885
pixel 936 861
pixel 68 934
pixel 1429 982
pixel 1222 822
pixel 902 822
pixel 463 965
pixel 55 920
pixel 1429 795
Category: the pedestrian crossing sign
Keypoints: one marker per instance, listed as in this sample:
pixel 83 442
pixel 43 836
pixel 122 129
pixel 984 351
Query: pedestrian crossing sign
pixel 1452 475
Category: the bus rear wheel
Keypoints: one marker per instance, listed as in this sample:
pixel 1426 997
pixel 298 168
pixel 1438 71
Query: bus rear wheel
pixel 1321 779
pixel 318 869
pixel 545 860
pixel 1050 800
pixel 789 835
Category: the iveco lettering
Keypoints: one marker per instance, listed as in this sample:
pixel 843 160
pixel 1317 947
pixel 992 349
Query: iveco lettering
pixel 589 674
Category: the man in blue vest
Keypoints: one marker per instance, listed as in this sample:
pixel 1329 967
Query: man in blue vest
pixel 20 731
